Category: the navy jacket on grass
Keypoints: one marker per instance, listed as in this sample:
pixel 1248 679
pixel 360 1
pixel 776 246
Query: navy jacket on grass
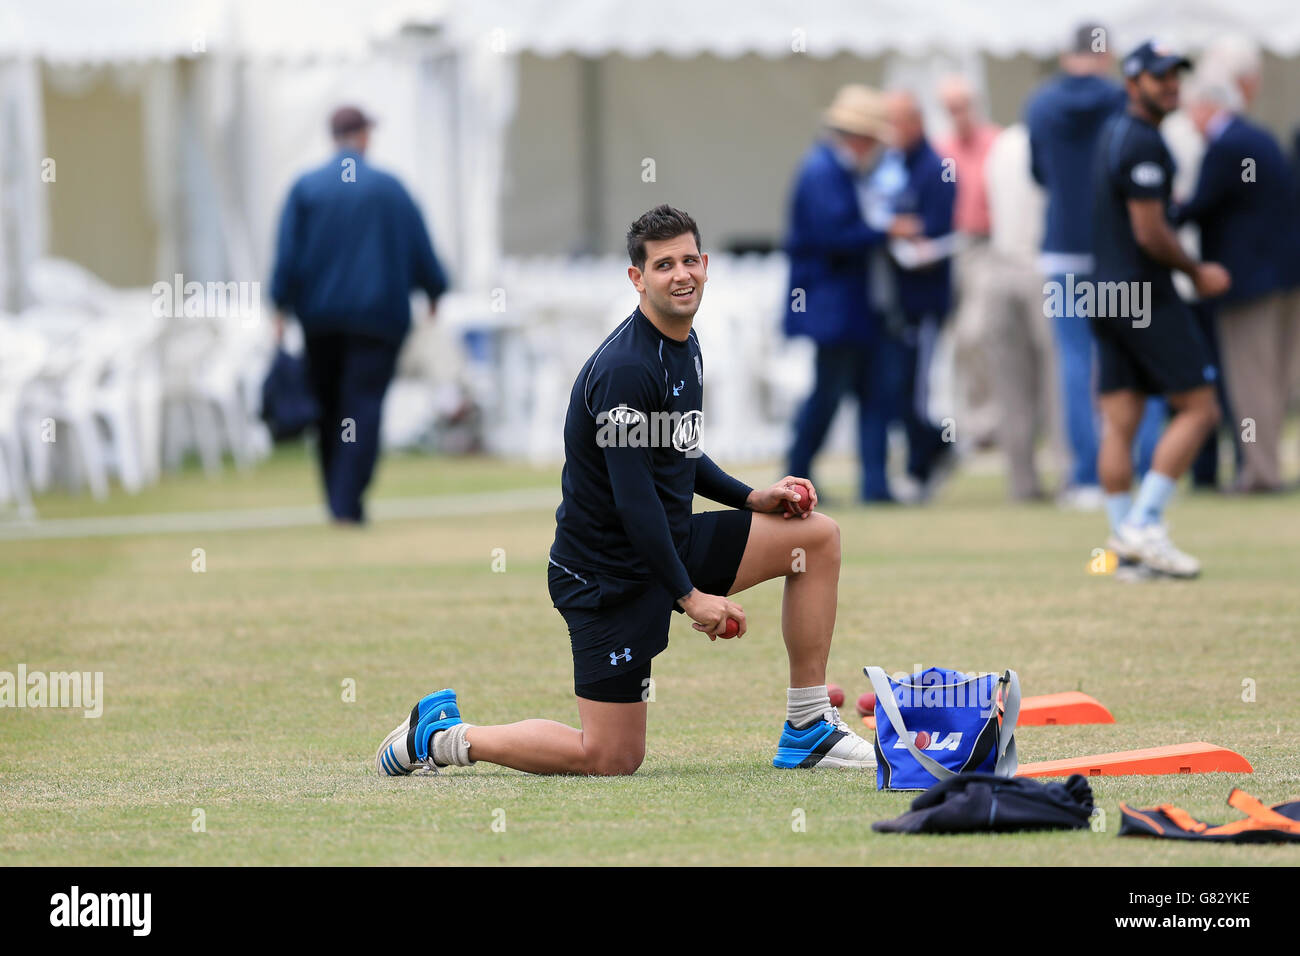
pixel 827 242
pixel 930 196
pixel 986 803
pixel 348 253
pixel 1247 226
pixel 1064 118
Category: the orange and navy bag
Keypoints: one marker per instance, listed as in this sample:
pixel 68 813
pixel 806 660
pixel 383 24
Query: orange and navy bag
pixel 1276 824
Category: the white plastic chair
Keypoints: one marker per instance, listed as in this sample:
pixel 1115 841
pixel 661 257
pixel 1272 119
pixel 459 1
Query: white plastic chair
pixel 65 285
pixel 65 392
pixel 210 370
pixel 125 389
pixel 22 356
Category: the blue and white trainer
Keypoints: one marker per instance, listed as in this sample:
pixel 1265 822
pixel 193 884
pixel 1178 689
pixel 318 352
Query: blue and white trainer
pixel 829 742
pixel 406 747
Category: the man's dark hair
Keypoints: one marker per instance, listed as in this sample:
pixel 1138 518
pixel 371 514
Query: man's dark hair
pixel 660 223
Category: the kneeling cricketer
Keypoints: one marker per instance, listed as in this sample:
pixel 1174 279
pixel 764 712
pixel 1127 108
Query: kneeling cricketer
pixel 628 551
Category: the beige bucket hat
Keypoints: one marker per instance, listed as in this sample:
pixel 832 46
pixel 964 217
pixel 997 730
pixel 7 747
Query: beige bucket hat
pixel 859 110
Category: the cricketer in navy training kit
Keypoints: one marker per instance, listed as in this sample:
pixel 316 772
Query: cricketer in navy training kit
pixel 1161 352
pixel 628 551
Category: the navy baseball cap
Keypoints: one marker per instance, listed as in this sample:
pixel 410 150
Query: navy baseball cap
pixel 1155 58
pixel 347 120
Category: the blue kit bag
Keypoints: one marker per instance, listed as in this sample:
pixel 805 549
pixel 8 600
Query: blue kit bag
pixel 937 723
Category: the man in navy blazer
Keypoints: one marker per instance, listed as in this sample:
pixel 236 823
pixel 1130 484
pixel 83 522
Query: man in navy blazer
pixel 1245 206
pixel 830 302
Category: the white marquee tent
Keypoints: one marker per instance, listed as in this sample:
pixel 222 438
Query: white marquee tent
pixel 580 93
pixel 523 128
pixel 725 96
pixel 232 97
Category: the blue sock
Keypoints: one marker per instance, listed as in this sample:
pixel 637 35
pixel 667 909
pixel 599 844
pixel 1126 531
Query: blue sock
pixel 1118 506
pixel 1153 494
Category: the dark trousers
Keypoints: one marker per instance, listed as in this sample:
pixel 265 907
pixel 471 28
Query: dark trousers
pixel 1205 469
pixel 872 375
pixel 349 375
pixel 915 344
pixel 864 372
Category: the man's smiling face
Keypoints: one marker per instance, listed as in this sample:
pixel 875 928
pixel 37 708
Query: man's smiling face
pixel 674 276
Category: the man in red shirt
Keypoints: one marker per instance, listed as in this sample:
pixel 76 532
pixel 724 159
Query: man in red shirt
pixel 964 151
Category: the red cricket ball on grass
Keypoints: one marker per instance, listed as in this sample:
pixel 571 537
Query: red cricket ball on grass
pixel 867 704
pixel 837 694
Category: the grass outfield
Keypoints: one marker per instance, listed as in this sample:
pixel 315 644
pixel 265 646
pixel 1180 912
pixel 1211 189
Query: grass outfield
pixel 223 690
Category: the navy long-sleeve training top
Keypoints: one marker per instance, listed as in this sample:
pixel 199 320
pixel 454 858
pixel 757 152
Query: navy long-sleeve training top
pixel 350 248
pixel 632 461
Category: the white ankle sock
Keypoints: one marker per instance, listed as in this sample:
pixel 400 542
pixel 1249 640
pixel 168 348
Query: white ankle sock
pixel 451 748
pixel 803 705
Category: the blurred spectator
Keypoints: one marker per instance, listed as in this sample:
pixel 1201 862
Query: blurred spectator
pixel 1188 147
pixel 830 298
pixel 1235 59
pixel 1291 277
pixel 1205 467
pixel 967 145
pixel 1244 205
pixel 1064 118
pixel 1295 159
pixel 351 247
pixel 1018 337
pixel 923 210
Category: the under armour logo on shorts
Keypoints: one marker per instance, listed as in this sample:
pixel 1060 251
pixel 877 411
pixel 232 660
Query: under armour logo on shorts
pixel 614 656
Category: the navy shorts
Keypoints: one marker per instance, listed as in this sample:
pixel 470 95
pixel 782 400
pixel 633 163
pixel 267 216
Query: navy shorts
pixel 1166 357
pixel 617 625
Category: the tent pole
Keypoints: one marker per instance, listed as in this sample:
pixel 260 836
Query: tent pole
pixel 592 163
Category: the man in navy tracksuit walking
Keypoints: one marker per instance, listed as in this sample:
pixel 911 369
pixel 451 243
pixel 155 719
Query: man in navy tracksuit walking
pixel 351 246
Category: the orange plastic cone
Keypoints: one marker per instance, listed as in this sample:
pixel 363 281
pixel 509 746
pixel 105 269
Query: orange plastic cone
pixel 1070 707
pixel 1196 757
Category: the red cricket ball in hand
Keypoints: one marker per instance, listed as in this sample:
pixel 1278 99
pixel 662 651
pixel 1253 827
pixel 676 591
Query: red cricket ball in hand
pixel 733 627
pixel 804 504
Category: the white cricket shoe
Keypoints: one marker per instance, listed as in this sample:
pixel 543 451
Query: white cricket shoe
pixel 1150 545
pixel 405 748
pixel 1082 498
pixel 828 742
pixel 1125 548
